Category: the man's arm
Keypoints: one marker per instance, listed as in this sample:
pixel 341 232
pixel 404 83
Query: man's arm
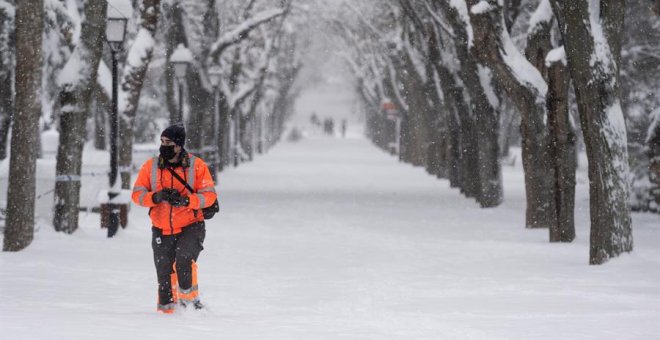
pixel 142 190
pixel 205 194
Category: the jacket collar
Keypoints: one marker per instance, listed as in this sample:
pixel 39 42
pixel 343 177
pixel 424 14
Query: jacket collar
pixel 185 160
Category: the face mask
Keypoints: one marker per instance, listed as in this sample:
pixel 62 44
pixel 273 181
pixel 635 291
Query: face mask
pixel 167 151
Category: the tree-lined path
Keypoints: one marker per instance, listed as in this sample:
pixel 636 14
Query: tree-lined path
pixel 527 142
pixel 328 238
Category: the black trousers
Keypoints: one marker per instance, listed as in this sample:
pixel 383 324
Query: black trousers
pixel 182 248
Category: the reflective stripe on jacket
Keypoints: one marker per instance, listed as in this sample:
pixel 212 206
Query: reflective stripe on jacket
pixel 153 177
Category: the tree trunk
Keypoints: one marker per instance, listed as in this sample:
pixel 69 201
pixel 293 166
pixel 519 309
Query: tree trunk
pixel 101 109
pixel 7 46
pixel 437 114
pixel 431 106
pixel 211 123
pixel 385 128
pixel 454 149
pixel 414 128
pixel 527 89
pixel 562 137
pixel 75 101
pixel 479 124
pixel 5 121
pixel 173 37
pixel 508 117
pixel 593 63
pixel 19 225
pixel 562 150
pixel 283 100
pixel 653 142
pixel 469 157
pixel 487 128
pixel 452 136
pixel 456 105
pixel 224 127
pixel 199 101
pixel 131 86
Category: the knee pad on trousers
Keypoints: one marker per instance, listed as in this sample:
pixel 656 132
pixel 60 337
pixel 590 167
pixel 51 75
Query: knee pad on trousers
pixel 191 293
pixel 174 275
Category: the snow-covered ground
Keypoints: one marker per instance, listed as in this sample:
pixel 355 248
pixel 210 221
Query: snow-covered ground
pixel 329 238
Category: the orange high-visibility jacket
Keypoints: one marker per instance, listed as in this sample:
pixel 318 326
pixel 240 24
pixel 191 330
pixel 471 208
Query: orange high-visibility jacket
pixel 154 176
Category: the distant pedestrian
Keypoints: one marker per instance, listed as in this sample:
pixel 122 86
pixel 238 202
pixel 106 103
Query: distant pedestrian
pixel 178 229
pixel 343 128
pixel 329 126
pixel 314 119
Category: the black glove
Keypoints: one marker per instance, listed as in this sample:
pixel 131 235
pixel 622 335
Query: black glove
pixel 157 197
pixel 164 195
pixel 179 201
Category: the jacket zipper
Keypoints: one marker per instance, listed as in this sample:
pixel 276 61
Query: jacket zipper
pixel 171 208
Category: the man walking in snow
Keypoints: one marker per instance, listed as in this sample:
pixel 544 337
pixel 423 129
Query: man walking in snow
pixel 178 228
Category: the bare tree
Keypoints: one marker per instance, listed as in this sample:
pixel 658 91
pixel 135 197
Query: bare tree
pixel 592 34
pixel 562 148
pixel 200 22
pixel 19 230
pixel 242 80
pixel 174 35
pixel 551 63
pixel 196 24
pixel 410 87
pixel 77 83
pixel 526 87
pixel 453 103
pixel 480 124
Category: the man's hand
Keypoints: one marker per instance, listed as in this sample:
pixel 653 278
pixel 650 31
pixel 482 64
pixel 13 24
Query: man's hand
pixel 164 195
pixel 179 201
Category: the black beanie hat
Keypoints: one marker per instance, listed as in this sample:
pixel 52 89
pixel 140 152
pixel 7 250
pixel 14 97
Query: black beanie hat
pixel 177 133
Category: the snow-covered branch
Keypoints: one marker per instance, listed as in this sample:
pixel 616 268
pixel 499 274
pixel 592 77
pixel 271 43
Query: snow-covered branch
pixel 137 61
pixel 8 8
pixel 395 86
pixel 241 31
pixel 460 7
pixel 376 33
pixel 438 20
pixel 542 16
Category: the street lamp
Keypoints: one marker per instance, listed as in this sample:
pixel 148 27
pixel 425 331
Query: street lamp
pixel 115 33
pixel 180 59
pixel 215 72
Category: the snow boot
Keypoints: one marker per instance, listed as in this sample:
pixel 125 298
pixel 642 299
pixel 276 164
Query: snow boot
pixel 168 301
pixel 166 309
pixel 190 296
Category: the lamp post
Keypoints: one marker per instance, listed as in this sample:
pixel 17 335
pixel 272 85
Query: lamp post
pixel 115 34
pixel 180 59
pixel 215 72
